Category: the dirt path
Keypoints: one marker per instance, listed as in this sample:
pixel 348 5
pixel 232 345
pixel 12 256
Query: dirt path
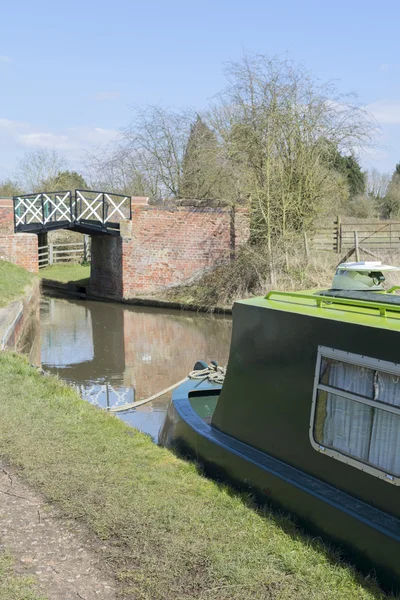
pixel 60 553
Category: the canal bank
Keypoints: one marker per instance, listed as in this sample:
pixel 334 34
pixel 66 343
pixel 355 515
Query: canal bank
pixel 73 290
pixel 163 529
pixel 19 302
pixel 167 530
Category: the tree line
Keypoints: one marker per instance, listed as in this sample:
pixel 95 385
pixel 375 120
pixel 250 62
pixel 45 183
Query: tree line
pixel 275 140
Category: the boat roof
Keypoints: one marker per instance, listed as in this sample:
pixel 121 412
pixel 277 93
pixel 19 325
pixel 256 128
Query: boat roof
pixel 372 309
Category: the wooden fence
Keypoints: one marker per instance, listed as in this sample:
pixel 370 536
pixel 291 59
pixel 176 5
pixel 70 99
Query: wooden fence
pixel 339 237
pixel 64 252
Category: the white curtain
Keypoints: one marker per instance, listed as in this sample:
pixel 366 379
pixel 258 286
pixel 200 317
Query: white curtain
pixel 348 423
pixel 385 438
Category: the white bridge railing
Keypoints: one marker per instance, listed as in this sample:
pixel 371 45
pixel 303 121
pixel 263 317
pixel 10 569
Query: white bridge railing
pixel 63 210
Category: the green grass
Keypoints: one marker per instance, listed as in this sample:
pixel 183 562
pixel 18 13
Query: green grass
pixel 170 532
pixel 13 281
pixel 66 273
pixel 15 587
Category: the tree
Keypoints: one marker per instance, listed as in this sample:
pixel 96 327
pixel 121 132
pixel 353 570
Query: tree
pixel 114 168
pixel 154 143
pixel 9 188
pixel 274 123
pixel 350 168
pixel 377 184
pixel 65 180
pixel 39 168
pixel 390 204
pixel 203 175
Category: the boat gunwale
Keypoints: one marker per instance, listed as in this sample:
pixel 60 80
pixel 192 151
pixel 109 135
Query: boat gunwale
pixel 375 518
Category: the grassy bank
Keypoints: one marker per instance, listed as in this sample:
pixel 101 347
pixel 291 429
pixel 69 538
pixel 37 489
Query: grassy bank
pixel 67 273
pixel 170 532
pixel 15 587
pixel 254 273
pixel 13 281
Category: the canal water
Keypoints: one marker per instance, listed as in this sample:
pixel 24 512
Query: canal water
pixel 114 354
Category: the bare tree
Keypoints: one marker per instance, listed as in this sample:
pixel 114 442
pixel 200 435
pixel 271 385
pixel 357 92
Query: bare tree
pixel 114 169
pixel 278 127
pixel 389 205
pixel 377 184
pixel 148 157
pixel 155 142
pixel 39 168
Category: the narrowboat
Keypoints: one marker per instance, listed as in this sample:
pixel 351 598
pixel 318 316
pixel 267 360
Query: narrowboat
pixel 308 416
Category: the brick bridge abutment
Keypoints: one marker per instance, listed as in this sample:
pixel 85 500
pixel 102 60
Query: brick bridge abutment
pixel 163 247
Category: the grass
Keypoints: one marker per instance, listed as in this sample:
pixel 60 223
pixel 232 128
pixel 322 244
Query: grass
pixel 13 281
pixel 67 273
pixel 15 587
pixel 169 531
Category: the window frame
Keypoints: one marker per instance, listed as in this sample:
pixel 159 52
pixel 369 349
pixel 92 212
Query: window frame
pixel 360 361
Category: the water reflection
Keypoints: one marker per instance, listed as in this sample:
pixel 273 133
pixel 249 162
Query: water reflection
pixel 114 354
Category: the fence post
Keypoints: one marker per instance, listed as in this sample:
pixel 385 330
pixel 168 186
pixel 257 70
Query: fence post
pixel 356 248
pixel 338 235
pixel 85 247
pixel 306 248
pixel 51 253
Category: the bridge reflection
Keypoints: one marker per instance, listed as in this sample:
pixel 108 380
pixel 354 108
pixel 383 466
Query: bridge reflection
pixel 115 354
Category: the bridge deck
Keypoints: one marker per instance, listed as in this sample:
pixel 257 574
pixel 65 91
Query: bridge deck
pixel 86 211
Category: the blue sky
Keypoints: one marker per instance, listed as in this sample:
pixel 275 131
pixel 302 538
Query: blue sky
pixel 71 71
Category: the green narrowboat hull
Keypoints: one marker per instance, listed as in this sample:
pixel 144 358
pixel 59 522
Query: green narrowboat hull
pixel 260 429
pixel 367 536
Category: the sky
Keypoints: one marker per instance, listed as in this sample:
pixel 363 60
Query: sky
pixel 70 72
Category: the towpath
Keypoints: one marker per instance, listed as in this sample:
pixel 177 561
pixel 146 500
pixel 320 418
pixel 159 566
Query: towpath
pixel 67 562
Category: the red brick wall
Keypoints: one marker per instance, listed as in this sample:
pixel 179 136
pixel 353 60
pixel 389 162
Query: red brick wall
pixel 6 215
pixel 165 247
pixel 20 249
pixel 169 246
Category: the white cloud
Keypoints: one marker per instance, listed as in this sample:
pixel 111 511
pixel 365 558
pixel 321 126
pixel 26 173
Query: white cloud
pixel 17 137
pixel 74 139
pixel 385 112
pixel 44 140
pixel 5 59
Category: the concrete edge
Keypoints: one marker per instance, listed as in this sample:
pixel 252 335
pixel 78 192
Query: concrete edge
pixel 11 314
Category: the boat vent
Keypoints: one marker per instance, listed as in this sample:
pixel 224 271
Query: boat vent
pixel 361 276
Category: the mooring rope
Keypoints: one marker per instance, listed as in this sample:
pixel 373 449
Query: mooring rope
pixel 212 372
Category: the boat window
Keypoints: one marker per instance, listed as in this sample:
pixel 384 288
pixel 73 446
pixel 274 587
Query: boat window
pixel 356 412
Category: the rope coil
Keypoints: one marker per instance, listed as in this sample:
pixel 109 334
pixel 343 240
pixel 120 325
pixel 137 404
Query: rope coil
pixel 212 372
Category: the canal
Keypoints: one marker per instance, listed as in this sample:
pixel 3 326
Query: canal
pixel 114 353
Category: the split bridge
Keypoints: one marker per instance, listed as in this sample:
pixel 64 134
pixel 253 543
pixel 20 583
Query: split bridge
pixel 136 248
pixel 85 211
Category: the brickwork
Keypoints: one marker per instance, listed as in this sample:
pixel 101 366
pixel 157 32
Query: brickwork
pixel 6 216
pixel 20 249
pixel 169 246
pixel 106 266
pixel 163 247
